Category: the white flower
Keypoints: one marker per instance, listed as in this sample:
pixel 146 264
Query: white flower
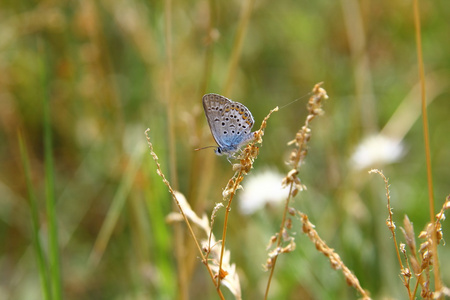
pixel 260 189
pixel 377 150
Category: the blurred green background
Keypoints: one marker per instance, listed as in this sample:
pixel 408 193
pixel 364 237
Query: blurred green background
pixel 110 69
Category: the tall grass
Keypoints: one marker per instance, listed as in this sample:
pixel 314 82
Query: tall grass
pixel 82 81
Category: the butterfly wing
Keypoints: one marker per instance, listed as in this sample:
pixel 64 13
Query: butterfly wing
pixel 214 106
pixel 230 122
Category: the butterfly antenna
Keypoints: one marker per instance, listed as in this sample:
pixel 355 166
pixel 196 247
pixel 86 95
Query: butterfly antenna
pixel 204 148
pixel 310 93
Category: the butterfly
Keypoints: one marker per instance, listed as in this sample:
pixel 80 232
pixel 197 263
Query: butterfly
pixel 230 123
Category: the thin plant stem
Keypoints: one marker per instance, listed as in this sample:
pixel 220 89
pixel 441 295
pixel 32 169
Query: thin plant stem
pixel 437 278
pixel 201 177
pixel 38 248
pixel 416 286
pixel 188 224
pixel 335 259
pixel 391 226
pixel 238 42
pixel 54 255
pixel 179 236
pixel 225 224
pixel 280 234
pixel 365 101
pixel 247 157
pixel 209 49
pixel 297 156
pixel 168 91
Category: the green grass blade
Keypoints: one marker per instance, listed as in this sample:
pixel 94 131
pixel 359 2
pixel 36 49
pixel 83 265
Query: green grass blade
pixel 54 256
pixel 38 249
pixel 158 206
pixel 116 207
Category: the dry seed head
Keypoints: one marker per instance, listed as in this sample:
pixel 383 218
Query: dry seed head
pixel 423 235
pixel 426 293
pixel 424 246
pixel 426 260
pixel 226 194
pixel 408 232
pixel 263 125
pixel 429 229
pixel 293 156
pixel 335 262
pixel 269 264
pixel 406 272
pixel 441 216
pixel 290 247
pixel 174 217
pixel 447 204
pixel 348 281
pixel 254 151
pixel 273 239
pixel 415 265
pixel 439 236
pixel 390 224
pixel 215 210
pixel 445 291
pixel 247 165
pixel 237 167
pixel 292 174
pixel 292 211
pixel 246 158
pixel 222 274
pixel 275 252
pixel 307 135
pixel 303 153
pixel 284 182
pixel 230 184
pixel 229 189
pixel 288 224
pixel 352 281
pixel 285 235
pixel 299 186
pixel 290 178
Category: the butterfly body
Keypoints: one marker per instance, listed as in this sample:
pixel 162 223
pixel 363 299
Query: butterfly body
pixel 230 123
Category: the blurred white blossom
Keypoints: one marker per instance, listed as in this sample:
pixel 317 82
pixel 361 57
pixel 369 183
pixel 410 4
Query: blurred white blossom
pixel 377 150
pixel 260 189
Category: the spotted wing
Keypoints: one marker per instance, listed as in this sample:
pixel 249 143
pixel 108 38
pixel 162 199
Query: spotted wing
pixel 230 122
